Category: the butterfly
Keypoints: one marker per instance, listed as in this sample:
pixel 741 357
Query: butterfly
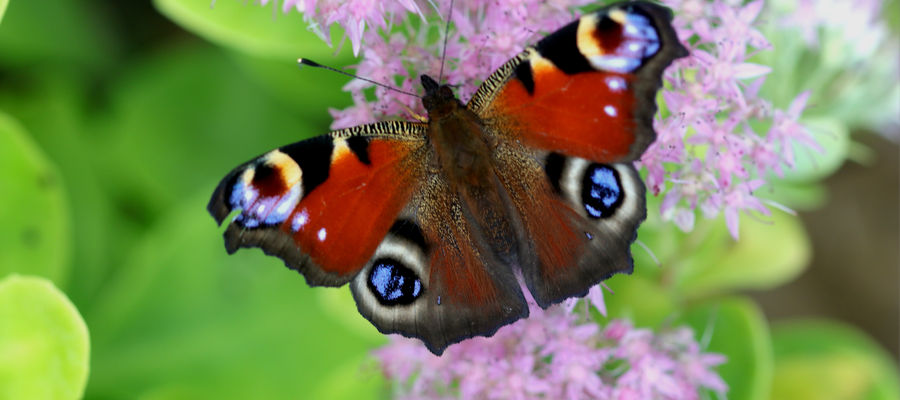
pixel 433 224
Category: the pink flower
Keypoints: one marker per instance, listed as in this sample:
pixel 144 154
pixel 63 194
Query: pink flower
pixel 858 20
pixel 555 355
pixel 355 16
pixel 713 107
pixel 741 198
pixel 483 36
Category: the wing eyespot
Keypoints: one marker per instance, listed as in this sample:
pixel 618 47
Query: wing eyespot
pixel 266 191
pixel 393 283
pixel 601 191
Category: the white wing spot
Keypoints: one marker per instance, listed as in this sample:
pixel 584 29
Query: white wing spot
pixel 300 220
pixel 610 110
pixel 615 83
pixel 322 234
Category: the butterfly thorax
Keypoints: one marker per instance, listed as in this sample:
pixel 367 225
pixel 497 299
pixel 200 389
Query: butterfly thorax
pixel 457 137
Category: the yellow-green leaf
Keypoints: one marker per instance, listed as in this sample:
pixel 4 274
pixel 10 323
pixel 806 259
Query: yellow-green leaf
pixel 245 26
pixel 819 359
pixel 766 255
pixel 44 346
pixel 3 4
pixel 35 236
pixel 736 327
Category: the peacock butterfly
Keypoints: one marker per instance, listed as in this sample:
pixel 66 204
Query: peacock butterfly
pixel 430 222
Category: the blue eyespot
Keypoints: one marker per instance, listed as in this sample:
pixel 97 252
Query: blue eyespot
pixel 601 191
pixel 392 283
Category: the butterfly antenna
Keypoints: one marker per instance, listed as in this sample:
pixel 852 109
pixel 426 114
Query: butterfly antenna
pixel 304 61
pixel 446 35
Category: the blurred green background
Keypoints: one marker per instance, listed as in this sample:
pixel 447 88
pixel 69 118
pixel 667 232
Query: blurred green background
pixel 117 119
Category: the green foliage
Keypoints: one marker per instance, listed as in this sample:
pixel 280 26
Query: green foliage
pixel 697 269
pixel 185 317
pixel 768 254
pixel 259 31
pixel 182 118
pixel 51 106
pixel 70 33
pixel 44 342
pixel 35 236
pixel 736 328
pixel 817 359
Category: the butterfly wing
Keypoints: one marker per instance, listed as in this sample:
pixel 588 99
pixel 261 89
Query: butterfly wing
pixel 361 205
pixel 431 277
pixel 579 219
pixel 323 205
pixel 587 90
pixel 573 112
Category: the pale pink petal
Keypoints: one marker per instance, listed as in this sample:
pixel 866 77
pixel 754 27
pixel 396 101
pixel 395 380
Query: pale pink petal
pixel 750 70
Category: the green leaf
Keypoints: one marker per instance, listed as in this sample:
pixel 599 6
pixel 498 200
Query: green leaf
pixel 736 327
pixel 799 196
pixel 639 299
pixel 663 240
pixel 247 27
pixel 819 359
pixel 35 236
pixel 267 46
pixel 3 4
pixel 765 256
pixel 184 118
pixel 368 382
pixel 308 91
pixel 340 306
pixel 52 108
pixel 72 33
pixel 184 317
pixel 44 346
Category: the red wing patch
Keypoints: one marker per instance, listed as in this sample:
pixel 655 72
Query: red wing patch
pixel 588 115
pixel 342 221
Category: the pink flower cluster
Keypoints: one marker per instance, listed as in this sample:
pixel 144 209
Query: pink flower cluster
pixel 860 21
pixel 720 141
pixel 355 16
pixel 555 354
pixel 484 36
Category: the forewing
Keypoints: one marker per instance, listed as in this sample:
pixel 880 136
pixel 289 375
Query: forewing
pixel 323 205
pixel 588 90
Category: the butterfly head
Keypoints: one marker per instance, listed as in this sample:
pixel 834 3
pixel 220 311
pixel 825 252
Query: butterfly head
pixel 439 99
